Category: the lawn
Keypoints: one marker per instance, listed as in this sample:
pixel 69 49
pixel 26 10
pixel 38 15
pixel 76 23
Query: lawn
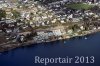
pixel 79 6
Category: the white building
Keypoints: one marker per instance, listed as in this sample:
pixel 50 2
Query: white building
pixel 57 32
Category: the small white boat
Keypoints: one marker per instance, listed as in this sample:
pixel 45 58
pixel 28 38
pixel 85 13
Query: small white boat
pixel 85 38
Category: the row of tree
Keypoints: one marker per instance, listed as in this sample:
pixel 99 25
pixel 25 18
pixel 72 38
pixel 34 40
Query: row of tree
pixel 2 14
pixel 15 13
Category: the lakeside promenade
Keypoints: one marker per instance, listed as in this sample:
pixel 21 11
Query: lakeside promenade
pixel 12 45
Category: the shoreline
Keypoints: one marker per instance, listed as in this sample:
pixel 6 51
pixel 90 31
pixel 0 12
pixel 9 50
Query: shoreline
pixel 11 45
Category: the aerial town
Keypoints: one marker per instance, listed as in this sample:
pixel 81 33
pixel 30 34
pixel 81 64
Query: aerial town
pixel 26 22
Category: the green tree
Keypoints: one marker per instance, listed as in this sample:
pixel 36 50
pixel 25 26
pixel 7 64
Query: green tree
pixel 75 27
pixel 16 14
pixel 2 14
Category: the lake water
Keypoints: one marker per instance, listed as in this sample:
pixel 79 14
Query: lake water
pixel 25 56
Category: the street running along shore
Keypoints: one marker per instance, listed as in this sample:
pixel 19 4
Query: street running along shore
pixel 12 45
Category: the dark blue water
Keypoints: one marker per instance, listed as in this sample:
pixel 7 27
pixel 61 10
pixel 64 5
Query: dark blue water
pixel 24 56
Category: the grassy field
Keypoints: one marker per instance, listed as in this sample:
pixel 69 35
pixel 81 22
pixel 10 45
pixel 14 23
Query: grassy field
pixel 79 6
